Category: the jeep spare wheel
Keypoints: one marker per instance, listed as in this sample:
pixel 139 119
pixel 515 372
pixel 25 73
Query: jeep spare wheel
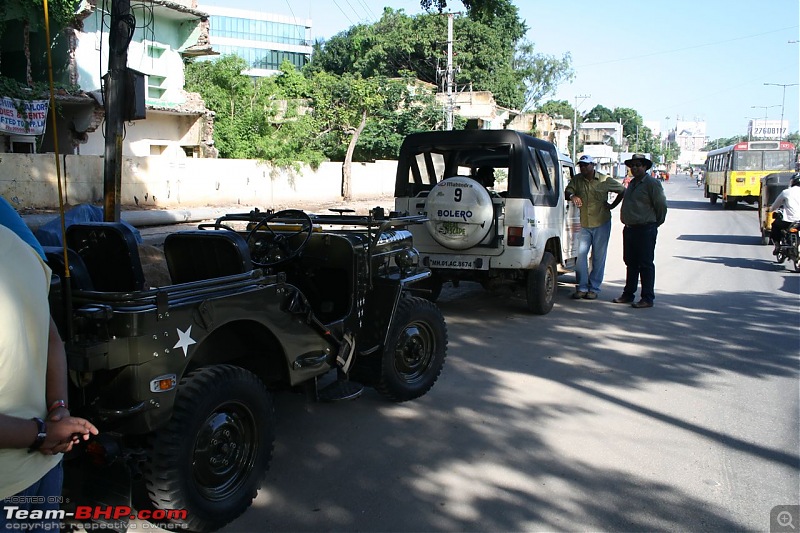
pixel 460 213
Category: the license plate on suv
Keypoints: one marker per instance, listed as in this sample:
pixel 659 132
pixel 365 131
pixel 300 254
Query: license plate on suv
pixel 462 262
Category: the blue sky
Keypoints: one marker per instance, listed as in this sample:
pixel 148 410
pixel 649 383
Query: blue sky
pixel 694 59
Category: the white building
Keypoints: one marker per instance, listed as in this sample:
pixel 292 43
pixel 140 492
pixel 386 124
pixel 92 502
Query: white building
pixel 263 40
pixel 691 138
pixel 177 123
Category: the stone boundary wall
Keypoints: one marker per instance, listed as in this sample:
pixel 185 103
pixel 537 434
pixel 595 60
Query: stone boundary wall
pixel 30 181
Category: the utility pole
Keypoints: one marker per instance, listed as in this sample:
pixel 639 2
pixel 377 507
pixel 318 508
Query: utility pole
pixel 114 99
pixel 575 123
pixel 764 107
pixel 783 100
pixel 449 76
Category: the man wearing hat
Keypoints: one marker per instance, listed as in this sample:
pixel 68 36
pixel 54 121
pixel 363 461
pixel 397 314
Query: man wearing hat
pixel 589 190
pixel 644 209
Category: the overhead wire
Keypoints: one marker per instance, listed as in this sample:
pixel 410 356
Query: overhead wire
pixel 694 47
pixel 343 13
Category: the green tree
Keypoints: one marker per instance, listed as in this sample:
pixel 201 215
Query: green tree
pixel 488 50
pixel 23 46
pixel 599 113
pixel 555 108
pixel 541 74
pixel 256 118
pixel 342 105
pixel 408 108
pixel 473 6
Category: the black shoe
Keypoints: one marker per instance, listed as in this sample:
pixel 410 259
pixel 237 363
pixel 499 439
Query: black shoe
pixel 641 304
pixel 577 295
pixel 623 300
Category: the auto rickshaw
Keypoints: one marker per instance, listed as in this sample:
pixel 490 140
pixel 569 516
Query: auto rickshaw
pixel 771 187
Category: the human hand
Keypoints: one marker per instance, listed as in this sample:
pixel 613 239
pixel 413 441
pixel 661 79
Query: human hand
pixel 577 201
pixel 64 433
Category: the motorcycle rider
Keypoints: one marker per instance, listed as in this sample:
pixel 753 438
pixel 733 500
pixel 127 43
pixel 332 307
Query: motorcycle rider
pixel 788 201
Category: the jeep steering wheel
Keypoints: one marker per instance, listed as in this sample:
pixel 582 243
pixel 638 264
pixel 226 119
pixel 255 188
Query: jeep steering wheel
pixel 277 247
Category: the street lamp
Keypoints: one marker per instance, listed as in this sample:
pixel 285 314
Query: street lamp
pixel 575 123
pixel 764 107
pixel 783 100
pixel 750 126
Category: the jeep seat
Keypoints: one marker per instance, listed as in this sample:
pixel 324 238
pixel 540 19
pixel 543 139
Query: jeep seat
pixel 111 255
pixel 205 254
pixel 78 273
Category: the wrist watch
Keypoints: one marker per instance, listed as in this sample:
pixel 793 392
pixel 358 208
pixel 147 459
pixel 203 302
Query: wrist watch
pixel 40 435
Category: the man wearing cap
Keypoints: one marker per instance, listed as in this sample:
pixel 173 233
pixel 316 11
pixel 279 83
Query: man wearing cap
pixel 589 190
pixel 644 209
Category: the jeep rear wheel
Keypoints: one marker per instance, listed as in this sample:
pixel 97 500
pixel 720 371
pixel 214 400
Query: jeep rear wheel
pixel 415 351
pixel 540 287
pixel 211 457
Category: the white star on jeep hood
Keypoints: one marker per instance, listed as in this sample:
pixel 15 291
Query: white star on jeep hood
pixel 184 340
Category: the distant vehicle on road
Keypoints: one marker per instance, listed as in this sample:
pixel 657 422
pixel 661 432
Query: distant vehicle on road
pixel 771 187
pixel 734 173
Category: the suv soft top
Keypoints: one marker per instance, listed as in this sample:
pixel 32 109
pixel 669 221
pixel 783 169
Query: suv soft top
pixel 480 147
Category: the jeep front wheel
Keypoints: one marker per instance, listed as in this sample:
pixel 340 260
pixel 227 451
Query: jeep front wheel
pixel 210 459
pixel 540 287
pixel 415 351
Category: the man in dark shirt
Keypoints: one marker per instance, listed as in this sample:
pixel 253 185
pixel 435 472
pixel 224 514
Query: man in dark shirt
pixel 644 209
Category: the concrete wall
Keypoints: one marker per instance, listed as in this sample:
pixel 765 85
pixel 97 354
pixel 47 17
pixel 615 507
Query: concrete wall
pixel 30 181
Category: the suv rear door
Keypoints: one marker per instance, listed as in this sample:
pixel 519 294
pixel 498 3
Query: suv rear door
pixel 572 218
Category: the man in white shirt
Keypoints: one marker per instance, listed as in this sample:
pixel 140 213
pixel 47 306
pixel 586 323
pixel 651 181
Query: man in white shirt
pixel 35 425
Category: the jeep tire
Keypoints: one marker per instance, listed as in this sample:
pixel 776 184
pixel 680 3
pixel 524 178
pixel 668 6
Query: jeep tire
pixel 212 456
pixel 540 286
pixel 415 351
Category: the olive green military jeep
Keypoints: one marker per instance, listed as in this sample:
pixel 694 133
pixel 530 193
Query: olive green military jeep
pixel 179 378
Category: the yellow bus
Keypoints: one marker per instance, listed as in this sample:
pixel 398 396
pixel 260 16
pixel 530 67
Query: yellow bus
pixel 734 173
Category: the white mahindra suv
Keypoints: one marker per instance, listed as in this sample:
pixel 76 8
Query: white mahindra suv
pixel 519 232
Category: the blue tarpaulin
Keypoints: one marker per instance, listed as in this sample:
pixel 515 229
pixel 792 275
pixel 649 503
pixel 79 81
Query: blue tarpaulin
pixel 50 234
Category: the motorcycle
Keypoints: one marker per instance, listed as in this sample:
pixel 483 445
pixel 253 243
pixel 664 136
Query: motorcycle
pixel 789 245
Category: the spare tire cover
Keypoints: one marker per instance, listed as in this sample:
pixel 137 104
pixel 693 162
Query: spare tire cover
pixel 460 213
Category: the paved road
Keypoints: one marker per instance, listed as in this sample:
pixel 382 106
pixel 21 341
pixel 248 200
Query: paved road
pixel 682 417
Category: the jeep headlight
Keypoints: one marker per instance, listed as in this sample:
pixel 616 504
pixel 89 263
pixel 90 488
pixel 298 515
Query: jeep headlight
pixel 407 258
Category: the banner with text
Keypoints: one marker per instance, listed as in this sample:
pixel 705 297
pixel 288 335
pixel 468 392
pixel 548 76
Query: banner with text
pixel 32 122
pixel 768 129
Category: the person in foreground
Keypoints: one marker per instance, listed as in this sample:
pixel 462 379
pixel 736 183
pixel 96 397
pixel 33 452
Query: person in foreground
pixel 35 424
pixel 589 190
pixel 644 209
pixel 788 201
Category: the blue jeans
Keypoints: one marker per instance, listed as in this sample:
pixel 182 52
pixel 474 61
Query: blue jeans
pixel 597 240
pixel 638 252
pixel 48 491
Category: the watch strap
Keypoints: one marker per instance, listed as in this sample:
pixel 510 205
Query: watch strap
pixel 40 435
